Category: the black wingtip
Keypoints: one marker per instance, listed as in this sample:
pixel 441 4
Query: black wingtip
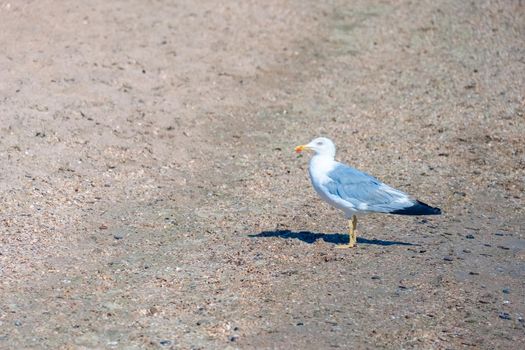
pixel 419 208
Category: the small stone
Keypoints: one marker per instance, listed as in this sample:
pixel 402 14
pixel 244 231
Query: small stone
pixel 299 324
pixel 112 307
pixel 118 236
pixel 165 342
pixel 103 227
pixel 469 237
pixel 18 323
pixel 448 258
pixel 90 340
pixel 472 273
pixel 505 316
pixel 376 277
pixel 506 290
pixel 152 311
pixel 503 247
pixel 467 251
pixel 233 337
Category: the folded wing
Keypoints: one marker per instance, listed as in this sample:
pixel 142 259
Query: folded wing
pixel 366 193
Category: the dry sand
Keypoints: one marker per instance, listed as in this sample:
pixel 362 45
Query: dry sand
pixel 150 196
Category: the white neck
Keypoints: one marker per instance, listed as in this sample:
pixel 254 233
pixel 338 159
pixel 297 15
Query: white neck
pixel 320 165
pixel 323 157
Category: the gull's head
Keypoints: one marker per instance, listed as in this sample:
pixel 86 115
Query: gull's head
pixel 322 146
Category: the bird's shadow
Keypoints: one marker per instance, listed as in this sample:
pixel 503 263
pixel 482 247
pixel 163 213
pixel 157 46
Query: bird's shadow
pixel 334 238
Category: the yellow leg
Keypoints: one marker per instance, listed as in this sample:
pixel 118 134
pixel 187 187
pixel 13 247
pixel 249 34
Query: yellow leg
pixel 354 231
pixel 352 235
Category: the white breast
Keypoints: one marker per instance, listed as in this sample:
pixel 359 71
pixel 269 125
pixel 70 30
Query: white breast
pixel 319 168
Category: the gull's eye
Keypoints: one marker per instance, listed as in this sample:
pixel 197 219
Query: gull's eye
pixel 319 143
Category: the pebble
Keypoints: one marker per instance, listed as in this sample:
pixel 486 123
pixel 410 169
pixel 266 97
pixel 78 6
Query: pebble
pixel 165 342
pixel 18 323
pixel 506 290
pixel 89 340
pixel 448 258
pixel 376 277
pixel 110 306
pixel 234 337
pixel 118 236
pixel 469 237
pixel 505 316
pixel 467 251
pixel 472 273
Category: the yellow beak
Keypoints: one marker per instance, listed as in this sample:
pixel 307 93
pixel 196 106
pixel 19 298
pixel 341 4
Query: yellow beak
pixel 301 148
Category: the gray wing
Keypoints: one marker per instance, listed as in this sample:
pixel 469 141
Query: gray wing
pixel 365 192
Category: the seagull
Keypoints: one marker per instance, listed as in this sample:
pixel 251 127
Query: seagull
pixel 355 192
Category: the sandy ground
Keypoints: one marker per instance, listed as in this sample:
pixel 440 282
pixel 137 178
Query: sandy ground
pixel 150 196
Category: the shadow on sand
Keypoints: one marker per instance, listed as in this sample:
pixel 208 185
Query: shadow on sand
pixel 335 238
